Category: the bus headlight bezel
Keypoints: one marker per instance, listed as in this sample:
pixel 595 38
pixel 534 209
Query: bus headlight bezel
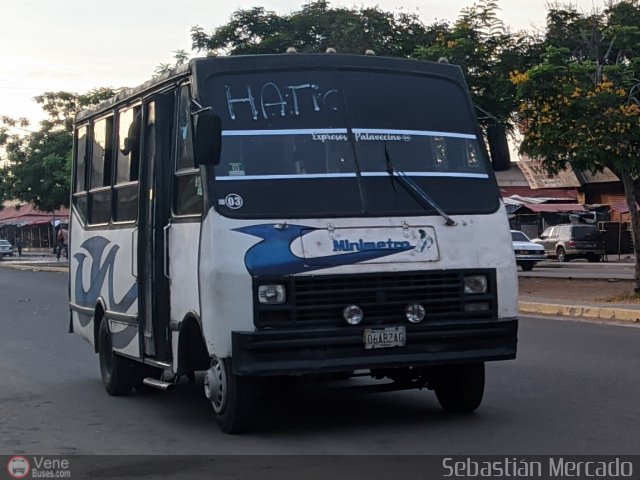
pixel 353 314
pixel 272 294
pixel 415 312
pixel 476 284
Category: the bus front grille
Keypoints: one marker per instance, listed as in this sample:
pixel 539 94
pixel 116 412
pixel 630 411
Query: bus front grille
pixel 318 301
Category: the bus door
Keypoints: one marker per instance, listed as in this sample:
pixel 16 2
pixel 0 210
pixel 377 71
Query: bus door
pixel 182 231
pixel 155 214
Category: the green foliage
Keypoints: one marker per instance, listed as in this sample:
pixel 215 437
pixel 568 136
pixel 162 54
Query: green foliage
pixel 314 28
pixel 39 167
pixel 42 170
pixel 62 106
pixel 487 52
pixel 5 185
pixel 580 105
pixel 180 57
pixel 478 41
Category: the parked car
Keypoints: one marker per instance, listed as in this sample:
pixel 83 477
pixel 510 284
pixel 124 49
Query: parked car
pixel 527 252
pixel 6 248
pixel 566 242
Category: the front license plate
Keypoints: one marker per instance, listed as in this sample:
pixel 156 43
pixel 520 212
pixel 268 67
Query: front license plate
pixel 385 337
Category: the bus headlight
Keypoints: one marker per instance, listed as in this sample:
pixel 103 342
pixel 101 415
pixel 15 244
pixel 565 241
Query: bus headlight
pixel 475 284
pixel 271 294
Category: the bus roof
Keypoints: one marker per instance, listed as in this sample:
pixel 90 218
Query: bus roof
pixel 204 67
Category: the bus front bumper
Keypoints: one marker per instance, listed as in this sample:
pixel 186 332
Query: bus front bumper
pixel 307 351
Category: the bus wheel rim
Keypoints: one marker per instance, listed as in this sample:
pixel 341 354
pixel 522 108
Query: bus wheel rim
pixel 215 385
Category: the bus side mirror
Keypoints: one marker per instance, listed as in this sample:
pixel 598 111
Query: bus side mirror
pixel 498 148
pixel 207 140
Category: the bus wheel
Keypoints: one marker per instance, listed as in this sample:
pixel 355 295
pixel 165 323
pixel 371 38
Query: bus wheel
pixel 232 396
pixel 118 373
pixel 459 388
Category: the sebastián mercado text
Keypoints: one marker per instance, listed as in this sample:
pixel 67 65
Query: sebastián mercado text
pixel 555 467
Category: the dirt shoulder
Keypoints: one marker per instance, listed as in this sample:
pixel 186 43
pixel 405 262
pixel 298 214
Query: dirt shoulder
pixel 575 291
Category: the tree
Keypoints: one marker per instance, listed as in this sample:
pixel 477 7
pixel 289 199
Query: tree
pixel 10 130
pixel 5 185
pixel 180 56
pixel 39 162
pixel 487 52
pixel 580 105
pixel 41 169
pixel 478 41
pixel 61 107
pixel 314 28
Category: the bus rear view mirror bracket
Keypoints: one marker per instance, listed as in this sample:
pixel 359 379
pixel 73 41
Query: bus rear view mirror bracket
pixel 498 147
pixel 207 138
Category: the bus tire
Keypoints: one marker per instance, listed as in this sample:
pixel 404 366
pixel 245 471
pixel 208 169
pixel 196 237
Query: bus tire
pixel 459 388
pixel 118 373
pixel 232 396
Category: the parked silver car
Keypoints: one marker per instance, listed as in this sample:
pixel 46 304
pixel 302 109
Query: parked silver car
pixel 527 253
pixel 6 249
pixel 569 241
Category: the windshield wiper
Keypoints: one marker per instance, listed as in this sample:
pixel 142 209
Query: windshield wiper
pixel 413 189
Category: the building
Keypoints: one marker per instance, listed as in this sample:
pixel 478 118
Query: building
pixel 515 182
pixel 35 228
pixel 536 201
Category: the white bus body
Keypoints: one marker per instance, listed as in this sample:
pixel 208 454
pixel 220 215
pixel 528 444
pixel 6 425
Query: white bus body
pixel 299 248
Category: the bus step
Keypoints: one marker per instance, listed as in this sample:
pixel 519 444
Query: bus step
pixel 155 383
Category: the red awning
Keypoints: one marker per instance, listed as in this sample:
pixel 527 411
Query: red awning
pixel 555 207
pixel 619 207
pixel 27 220
pixel 28 215
pixel 569 194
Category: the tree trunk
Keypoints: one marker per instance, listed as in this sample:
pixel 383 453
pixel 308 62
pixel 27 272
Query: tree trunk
pixel 629 195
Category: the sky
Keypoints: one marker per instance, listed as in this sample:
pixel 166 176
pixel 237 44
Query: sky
pixel 78 45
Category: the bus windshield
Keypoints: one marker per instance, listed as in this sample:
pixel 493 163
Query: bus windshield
pixel 317 143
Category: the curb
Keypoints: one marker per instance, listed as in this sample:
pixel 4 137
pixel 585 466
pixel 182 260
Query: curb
pixel 593 312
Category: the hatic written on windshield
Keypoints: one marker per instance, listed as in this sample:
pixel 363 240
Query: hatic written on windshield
pixel 272 100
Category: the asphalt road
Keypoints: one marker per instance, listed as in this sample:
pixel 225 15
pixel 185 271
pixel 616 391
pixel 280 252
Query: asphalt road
pixel 574 389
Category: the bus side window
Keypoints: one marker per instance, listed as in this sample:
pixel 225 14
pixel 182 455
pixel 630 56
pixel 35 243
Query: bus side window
pixel 80 180
pixel 127 165
pixel 187 187
pixel 100 176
